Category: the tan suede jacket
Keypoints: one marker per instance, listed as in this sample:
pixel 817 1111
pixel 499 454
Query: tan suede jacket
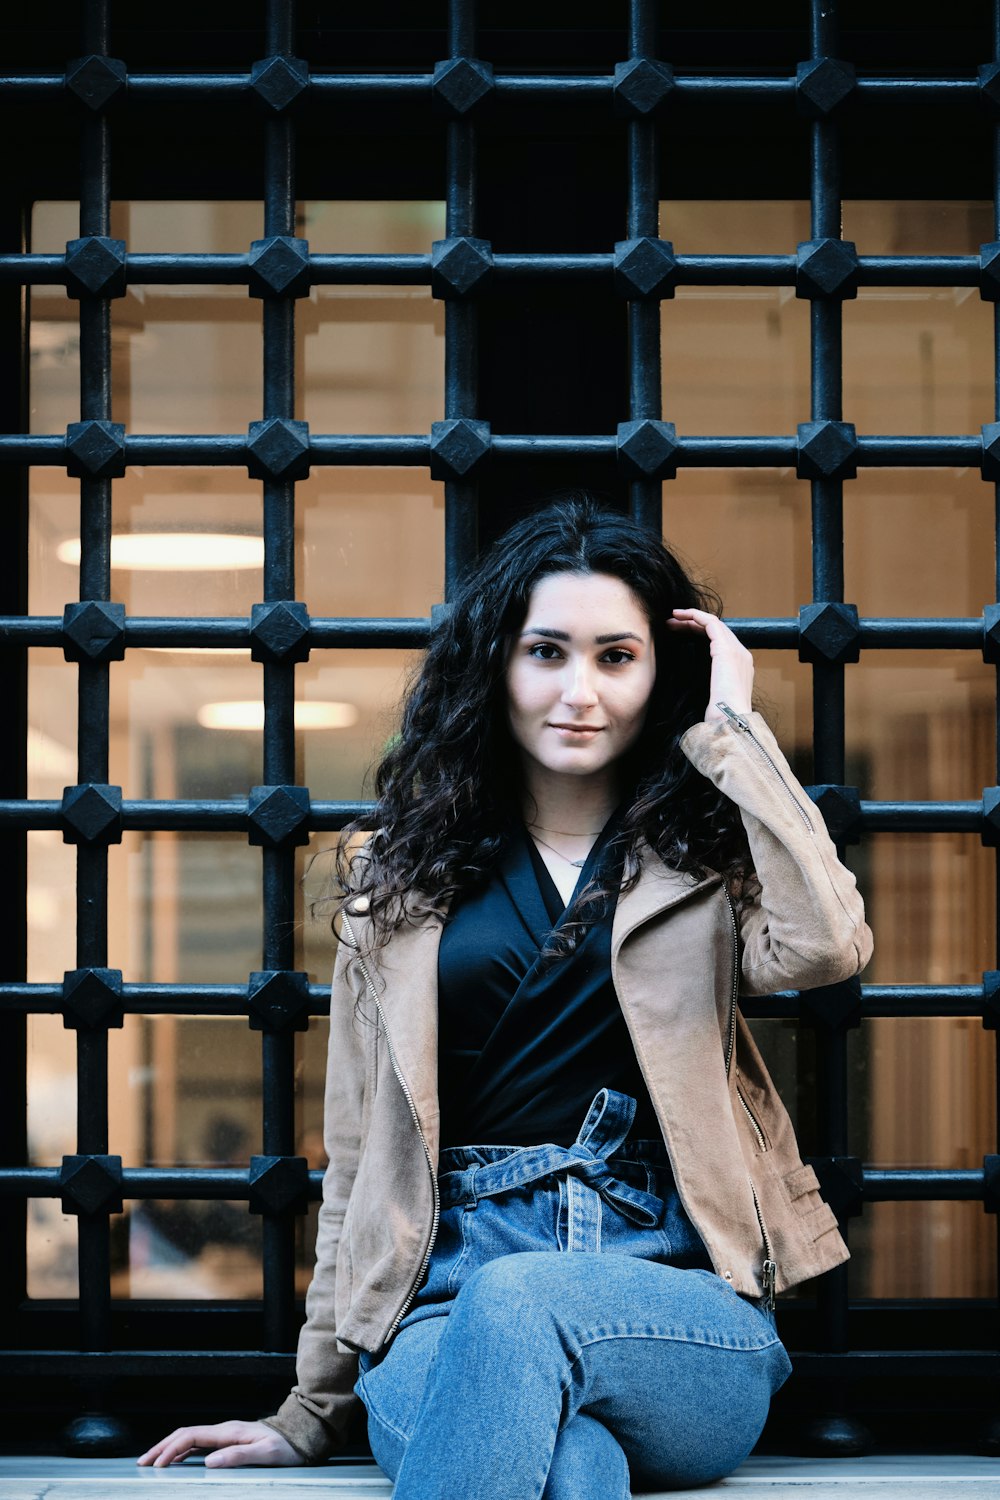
pixel 680 955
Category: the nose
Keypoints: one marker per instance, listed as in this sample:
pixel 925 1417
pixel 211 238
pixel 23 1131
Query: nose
pixel 579 688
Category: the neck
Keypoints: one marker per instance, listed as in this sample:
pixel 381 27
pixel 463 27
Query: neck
pixel 573 804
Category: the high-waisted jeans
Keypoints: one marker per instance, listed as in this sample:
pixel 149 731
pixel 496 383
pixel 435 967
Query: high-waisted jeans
pixel 570 1339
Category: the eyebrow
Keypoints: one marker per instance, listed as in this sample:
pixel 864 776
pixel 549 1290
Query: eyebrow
pixel 599 640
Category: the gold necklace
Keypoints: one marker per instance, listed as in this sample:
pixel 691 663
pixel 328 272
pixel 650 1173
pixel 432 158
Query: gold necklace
pixel 588 833
pixel 577 864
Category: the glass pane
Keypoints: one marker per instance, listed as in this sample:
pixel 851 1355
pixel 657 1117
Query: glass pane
pixel 718 519
pixel 923 1250
pixel 917 227
pixel 735 360
pixel 921 724
pixel 373 359
pixel 343 519
pixel 727 227
pixel 917 360
pixel 918 542
pixel 931 907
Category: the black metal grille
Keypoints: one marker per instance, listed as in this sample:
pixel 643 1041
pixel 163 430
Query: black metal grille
pixel 461 449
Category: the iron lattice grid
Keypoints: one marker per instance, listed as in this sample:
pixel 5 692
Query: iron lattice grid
pixel 462 269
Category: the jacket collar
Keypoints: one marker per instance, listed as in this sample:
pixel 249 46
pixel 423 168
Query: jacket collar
pixel 658 888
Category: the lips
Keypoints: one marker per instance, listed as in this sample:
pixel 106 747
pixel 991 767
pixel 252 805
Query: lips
pixel 578 728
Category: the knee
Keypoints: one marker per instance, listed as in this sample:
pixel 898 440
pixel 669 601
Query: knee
pixel 588 1461
pixel 514 1294
pixel 510 1282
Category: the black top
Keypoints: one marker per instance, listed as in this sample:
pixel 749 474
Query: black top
pixel 524 1043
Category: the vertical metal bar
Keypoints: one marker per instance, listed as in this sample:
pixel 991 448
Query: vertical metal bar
pixel 278 865
pixel 93 691
pixel 461 319
pixel 14 408
pixel 996 558
pixel 645 495
pixel 828 585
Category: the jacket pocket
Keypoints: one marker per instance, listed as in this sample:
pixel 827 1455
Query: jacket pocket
pixel 815 1214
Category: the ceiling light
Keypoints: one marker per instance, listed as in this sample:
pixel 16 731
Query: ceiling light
pixel 176 551
pixel 249 714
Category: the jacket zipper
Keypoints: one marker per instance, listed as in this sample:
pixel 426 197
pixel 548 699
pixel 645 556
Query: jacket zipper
pixel 762 1144
pixel 770 1268
pixel 731 1041
pixel 741 724
pixel 373 992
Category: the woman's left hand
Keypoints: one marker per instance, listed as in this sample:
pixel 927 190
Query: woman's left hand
pixel 732 663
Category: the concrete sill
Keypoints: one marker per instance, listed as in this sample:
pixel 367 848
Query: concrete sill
pixel 908 1477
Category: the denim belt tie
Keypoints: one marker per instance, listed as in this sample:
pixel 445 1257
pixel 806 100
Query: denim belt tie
pixel 608 1122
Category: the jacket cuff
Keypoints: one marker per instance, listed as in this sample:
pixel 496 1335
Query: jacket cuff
pixel 308 1434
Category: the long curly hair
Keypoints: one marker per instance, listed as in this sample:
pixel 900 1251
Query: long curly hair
pixel 449 787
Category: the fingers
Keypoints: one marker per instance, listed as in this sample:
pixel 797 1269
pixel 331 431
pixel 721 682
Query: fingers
pixel 242 1454
pixel 711 625
pixel 186 1440
pixel 227 1445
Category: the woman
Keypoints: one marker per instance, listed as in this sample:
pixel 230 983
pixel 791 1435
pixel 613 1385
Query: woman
pixel 562 1191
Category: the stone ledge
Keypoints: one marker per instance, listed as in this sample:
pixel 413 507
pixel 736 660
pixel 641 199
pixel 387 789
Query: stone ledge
pixel 906 1476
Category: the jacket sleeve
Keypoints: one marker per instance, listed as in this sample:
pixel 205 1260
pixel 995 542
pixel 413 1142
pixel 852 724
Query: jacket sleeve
pixel 315 1414
pixel 806 926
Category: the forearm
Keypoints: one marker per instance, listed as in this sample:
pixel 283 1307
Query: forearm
pixel 807 927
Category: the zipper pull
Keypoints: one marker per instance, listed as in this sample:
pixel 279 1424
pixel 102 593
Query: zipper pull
pixel 770 1273
pixel 734 718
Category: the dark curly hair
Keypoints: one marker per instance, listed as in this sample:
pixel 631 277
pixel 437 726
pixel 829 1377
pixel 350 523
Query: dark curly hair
pixel 449 789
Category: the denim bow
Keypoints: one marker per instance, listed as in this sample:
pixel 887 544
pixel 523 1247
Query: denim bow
pixel 608 1122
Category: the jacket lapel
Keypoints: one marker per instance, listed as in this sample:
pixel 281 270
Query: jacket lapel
pixel 405 973
pixel 657 888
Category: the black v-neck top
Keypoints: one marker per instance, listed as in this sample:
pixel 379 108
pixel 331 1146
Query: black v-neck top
pixel 524 1045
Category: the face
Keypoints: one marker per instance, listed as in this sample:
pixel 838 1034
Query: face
pixel 580 673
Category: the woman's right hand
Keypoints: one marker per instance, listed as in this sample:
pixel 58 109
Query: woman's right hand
pixel 226 1445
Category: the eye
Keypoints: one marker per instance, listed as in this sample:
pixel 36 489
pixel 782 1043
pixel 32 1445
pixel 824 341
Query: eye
pixel 618 656
pixel 544 651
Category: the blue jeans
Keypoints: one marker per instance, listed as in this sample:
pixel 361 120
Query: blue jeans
pixel 570 1339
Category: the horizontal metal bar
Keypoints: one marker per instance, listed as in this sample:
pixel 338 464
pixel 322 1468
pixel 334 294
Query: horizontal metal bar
pixel 413 449
pixel 934 634
pixel 879 1184
pixel 203 1183
pixel 412 632
pixel 921 1184
pixel 324 270
pixel 895 1001
pixel 415 270
pixel 542 87
pixel 877 1001
pixel 230 814
pixel 160 1364
pixel 208 816
pixel 922 817
pixel 154 999
pixel 898 1364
